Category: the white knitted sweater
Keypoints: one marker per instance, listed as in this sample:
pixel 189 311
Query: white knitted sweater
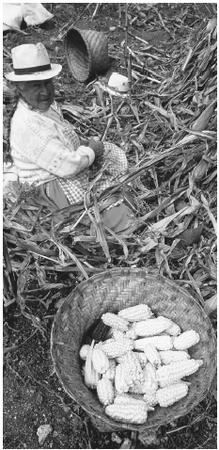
pixel 44 145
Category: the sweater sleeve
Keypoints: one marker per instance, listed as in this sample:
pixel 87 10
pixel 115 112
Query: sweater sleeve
pixel 60 161
pixel 41 144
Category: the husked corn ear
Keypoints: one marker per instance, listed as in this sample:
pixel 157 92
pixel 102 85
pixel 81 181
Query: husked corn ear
pixel 142 358
pixel 176 370
pixel 117 334
pixel 152 355
pixel 84 351
pixel 114 321
pixel 136 313
pixel 174 329
pixel 105 391
pixel 150 379
pixel 137 388
pixel 131 334
pixel 152 327
pixel 151 399
pixel 127 399
pixel 100 331
pixel 149 384
pixel 99 360
pixel 120 359
pixel 122 379
pixel 168 356
pixel 186 340
pixel 133 367
pixel 111 371
pixel 164 342
pixel 168 395
pixel 113 348
pixel 128 413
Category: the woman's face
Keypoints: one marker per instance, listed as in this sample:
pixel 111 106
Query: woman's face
pixel 38 94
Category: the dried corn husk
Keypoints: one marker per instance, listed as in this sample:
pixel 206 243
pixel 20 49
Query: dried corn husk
pixel 91 377
pixel 201 123
pixel 200 171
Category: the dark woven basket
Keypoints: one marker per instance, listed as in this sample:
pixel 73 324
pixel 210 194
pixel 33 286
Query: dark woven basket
pixel 87 53
pixel 112 291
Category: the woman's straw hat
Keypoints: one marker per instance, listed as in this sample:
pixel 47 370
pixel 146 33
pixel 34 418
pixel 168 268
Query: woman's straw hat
pixel 86 53
pixel 31 62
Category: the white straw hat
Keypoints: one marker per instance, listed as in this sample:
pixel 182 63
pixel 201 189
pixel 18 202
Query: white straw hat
pixel 31 62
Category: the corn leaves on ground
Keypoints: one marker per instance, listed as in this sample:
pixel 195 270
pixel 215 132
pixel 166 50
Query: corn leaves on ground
pixel 193 268
pixel 131 381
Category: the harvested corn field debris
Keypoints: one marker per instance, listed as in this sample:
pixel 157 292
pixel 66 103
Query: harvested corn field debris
pixel 167 127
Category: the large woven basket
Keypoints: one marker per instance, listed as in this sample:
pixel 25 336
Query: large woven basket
pixel 87 53
pixel 112 291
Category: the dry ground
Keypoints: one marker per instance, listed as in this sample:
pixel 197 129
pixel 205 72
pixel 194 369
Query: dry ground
pixel 32 393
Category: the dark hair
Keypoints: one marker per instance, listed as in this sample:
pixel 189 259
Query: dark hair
pixel 7 116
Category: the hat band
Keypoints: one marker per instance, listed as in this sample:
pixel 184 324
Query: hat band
pixel 32 69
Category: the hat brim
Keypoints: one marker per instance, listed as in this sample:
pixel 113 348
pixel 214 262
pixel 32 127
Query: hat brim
pixel 36 76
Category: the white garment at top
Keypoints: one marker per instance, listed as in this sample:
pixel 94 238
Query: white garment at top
pixel 41 147
pixel 31 13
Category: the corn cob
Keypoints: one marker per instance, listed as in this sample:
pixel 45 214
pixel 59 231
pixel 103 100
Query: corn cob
pixel 120 359
pixel 122 379
pixel 99 360
pixel 164 342
pixel 131 334
pixel 151 399
pixel 91 377
pixel 84 351
pixel 168 395
pixel 176 370
pixel 100 331
pixel 133 367
pixel 124 399
pixel 150 378
pixel 116 334
pixel 142 358
pixel 128 413
pixel 113 348
pixel 105 391
pixel 137 388
pixel 174 329
pixel 186 340
pixel 114 321
pixel 152 327
pixel 128 395
pixel 111 371
pixel 168 356
pixel 136 313
pixel 152 355
pixel 149 384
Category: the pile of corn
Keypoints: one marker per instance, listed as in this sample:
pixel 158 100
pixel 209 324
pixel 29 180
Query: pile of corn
pixel 141 364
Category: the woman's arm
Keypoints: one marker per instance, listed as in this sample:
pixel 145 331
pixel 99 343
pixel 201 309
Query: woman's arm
pixel 58 160
pixel 40 143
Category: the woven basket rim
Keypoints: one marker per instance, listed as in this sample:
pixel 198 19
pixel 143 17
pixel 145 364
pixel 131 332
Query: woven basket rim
pixel 135 270
pixel 84 36
pixel 123 272
pixel 68 53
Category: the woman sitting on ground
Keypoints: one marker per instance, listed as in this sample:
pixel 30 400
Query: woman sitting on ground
pixel 45 148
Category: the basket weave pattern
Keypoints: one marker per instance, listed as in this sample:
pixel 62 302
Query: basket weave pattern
pixel 112 291
pixel 86 53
